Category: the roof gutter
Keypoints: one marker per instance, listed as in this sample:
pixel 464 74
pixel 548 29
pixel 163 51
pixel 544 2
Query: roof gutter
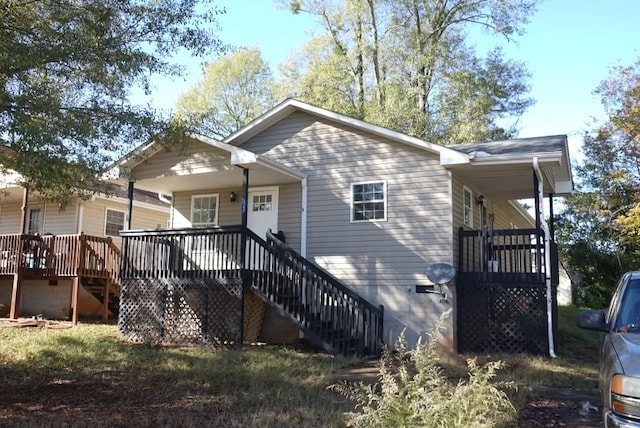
pixel 547 255
pixel 547 158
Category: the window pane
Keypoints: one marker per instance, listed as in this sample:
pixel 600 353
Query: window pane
pixel 369 201
pixel 114 223
pixel 204 210
pixel 34 221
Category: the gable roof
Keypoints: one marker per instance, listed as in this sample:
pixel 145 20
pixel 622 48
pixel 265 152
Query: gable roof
pixel 503 168
pixel 291 105
pixel 262 167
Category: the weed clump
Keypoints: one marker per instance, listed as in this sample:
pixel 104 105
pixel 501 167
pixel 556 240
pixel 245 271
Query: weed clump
pixel 412 391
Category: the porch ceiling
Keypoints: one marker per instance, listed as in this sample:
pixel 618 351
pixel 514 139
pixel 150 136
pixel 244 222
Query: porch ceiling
pixel 259 175
pixel 508 182
pixel 504 170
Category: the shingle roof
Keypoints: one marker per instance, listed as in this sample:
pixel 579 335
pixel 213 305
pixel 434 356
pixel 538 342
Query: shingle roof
pixel 523 146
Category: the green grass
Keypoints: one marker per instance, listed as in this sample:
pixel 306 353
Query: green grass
pixel 87 376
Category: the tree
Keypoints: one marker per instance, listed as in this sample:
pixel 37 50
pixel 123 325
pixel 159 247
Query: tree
pixel 410 69
pixel 318 75
pixel 599 228
pixel 66 71
pixel 232 91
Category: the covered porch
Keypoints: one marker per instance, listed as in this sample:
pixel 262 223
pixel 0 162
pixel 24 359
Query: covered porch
pixel 507 278
pixel 198 280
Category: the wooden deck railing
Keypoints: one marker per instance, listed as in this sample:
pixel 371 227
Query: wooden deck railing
pixel 59 256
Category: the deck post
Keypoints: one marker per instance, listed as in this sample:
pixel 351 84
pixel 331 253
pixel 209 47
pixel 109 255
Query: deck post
pixel 15 295
pixel 105 299
pixel 74 299
pixel 17 275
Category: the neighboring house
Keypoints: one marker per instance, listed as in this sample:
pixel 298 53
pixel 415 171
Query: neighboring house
pixel 79 241
pixel 371 207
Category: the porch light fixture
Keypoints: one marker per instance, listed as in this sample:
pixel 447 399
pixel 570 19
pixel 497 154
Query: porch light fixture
pixel 480 200
pixel 232 196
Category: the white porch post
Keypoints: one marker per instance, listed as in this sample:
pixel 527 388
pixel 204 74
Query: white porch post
pixel 547 253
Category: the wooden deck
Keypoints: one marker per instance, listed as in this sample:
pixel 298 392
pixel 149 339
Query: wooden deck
pixel 80 257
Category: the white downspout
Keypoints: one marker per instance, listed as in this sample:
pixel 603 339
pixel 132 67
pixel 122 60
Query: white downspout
pixel 547 256
pixel 303 219
pixel 80 217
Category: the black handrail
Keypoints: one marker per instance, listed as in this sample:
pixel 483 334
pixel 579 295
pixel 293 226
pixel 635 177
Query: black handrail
pixel 328 312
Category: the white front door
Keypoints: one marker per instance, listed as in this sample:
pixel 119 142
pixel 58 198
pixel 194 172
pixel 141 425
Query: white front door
pixel 262 213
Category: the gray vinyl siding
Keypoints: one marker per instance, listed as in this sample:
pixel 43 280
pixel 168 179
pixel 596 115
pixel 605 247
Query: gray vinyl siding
pixel 289 213
pixel 230 213
pixel 195 159
pixel 382 260
pixel 505 215
pixel 289 216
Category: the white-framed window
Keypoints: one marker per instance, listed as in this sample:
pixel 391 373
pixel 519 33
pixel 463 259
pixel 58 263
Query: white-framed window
pixel 369 201
pixel 34 225
pixel 113 222
pixel 204 210
pixel 262 203
pixel 467 206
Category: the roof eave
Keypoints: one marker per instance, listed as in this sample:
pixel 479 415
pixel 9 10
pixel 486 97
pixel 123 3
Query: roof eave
pixel 290 105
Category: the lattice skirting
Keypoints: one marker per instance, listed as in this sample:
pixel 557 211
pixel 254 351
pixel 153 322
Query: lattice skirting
pixel 181 311
pixel 502 318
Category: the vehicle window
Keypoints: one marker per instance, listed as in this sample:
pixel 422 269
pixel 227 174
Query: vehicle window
pixel 629 310
pixel 615 299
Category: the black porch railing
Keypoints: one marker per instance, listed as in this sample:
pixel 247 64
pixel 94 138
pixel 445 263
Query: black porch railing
pixel 186 285
pixel 328 313
pixel 502 291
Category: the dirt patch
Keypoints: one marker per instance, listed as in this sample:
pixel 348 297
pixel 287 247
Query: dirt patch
pixel 561 407
pixel 34 322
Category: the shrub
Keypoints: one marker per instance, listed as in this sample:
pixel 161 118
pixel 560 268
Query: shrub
pixel 412 391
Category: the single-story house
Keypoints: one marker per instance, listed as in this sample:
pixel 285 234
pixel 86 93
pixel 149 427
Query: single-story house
pixel 361 212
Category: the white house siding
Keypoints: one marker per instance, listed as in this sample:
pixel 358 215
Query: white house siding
pixel 94 211
pixel 10 217
pixel 383 261
pixel 60 221
pixel 508 217
pixel 55 220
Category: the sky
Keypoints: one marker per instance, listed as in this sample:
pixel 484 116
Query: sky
pixel 568 48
